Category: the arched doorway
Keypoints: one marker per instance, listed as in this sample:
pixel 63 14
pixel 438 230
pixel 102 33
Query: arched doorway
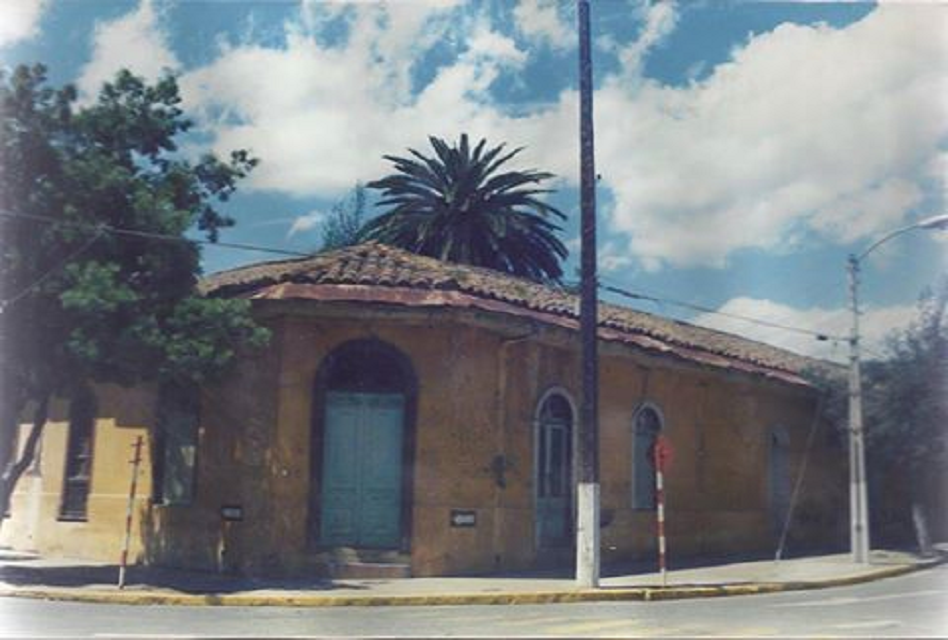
pixel 554 468
pixel 362 448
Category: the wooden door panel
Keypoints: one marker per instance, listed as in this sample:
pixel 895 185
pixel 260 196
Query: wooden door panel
pixel 341 482
pixel 382 471
pixel 363 470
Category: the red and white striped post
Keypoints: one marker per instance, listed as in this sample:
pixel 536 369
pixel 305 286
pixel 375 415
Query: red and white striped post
pixel 660 511
pixel 661 454
pixel 136 461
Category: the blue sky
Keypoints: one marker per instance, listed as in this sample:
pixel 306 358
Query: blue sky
pixel 745 147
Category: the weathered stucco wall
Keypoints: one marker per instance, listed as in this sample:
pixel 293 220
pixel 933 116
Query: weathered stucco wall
pixel 35 523
pixel 235 467
pixel 479 382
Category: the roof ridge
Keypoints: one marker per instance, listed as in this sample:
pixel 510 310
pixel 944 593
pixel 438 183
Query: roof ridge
pixel 372 263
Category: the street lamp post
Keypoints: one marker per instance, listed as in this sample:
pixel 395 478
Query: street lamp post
pixel 858 501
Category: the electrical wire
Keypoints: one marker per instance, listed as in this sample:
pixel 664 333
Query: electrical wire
pixel 150 235
pixel 696 307
pixel 62 263
pixel 822 336
pixel 102 229
pixel 801 474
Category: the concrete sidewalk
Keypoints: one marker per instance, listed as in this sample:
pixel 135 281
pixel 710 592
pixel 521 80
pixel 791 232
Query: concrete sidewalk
pixel 77 580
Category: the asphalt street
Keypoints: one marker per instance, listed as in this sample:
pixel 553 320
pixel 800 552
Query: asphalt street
pixel 914 605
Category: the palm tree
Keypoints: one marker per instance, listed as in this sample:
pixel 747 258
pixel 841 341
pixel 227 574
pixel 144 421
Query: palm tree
pixel 455 206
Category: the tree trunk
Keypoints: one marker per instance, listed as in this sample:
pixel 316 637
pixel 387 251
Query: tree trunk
pixel 11 408
pixel 920 523
pixel 15 468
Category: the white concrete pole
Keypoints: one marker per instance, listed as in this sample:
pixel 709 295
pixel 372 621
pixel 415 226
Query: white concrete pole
pixel 587 535
pixel 858 492
pixel 858 502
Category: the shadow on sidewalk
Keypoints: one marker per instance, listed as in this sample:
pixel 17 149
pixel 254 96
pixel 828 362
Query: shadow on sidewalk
pixel 617 568
pixel 25 574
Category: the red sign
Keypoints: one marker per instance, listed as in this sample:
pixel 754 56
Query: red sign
pixel 661 453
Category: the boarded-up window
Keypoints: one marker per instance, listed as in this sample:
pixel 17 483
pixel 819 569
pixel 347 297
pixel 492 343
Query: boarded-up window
pixel 79 448
pixel 176 444
pixel 648 424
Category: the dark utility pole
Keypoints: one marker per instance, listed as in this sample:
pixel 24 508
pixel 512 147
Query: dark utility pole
pixel 587 499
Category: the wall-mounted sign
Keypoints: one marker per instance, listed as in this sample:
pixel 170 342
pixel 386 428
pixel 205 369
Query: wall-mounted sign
pixel 232 512
pixel 463 518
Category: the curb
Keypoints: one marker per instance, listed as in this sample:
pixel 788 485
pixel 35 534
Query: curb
pixel 647 594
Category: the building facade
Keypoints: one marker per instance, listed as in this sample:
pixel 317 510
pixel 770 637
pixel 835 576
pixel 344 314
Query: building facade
pixel 413 417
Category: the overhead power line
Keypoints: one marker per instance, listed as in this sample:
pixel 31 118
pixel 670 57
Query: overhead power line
pixel 99 230
pixel 696 307
pixel 59 265
pixel 150 235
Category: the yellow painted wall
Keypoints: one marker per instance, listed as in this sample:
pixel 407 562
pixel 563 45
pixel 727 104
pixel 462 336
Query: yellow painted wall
pixel 254 451
pixel 35 525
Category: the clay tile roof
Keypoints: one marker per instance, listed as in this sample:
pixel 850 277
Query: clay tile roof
pixel 381 267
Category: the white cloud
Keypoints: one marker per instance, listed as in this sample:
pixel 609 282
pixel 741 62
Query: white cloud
pixel 19 20
pixel 305 222
pixel 837 132
pixel 542 23
pixel 614 257
pixel 806 128
pixel 136 41
pixel 875 324
pixel 320 116
pixel 490 45
pixel 938 174
pixel 658 18
pixel 859 215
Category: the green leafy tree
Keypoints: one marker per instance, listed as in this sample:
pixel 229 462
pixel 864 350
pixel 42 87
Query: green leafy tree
pixel 343 227
pixel 458 206
pixel 81 301
pixel 905 416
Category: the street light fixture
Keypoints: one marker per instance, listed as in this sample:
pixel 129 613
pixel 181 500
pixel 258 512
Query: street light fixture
pixel 858 502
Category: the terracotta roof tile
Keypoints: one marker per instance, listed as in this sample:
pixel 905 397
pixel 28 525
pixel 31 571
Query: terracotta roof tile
pixel 376 265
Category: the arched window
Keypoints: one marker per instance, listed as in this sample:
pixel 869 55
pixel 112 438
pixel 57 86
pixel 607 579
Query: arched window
pixel 647 426
pixel 556 422
pixel 554 470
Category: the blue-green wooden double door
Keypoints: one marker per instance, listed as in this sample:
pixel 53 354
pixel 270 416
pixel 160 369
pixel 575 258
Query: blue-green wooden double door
pixel 362 470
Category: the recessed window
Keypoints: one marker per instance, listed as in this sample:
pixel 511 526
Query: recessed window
pixel 79 449
pixel 175 456
pixel 648 424
pixel 556 418
pixel 554 472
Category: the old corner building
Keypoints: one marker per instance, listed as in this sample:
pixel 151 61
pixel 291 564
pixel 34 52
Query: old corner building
pixel 413 417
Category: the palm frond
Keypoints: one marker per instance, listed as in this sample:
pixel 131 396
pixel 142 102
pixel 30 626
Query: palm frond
pixel 454 205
